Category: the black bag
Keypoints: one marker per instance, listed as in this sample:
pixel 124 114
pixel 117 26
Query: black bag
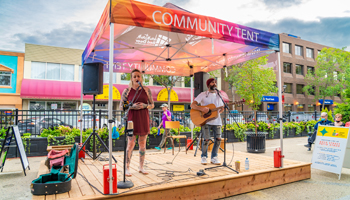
pixel 56 181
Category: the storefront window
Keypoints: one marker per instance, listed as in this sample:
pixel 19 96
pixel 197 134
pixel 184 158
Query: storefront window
pixel 300 107
pixel 37 105
pixel 69 106
pixel 311 107
pixel 288 107
pixel 53 105
pixel 5 78
pixel 124 78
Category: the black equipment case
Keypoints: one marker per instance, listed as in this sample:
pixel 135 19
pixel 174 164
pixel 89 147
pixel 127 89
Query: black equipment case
pixel 56 181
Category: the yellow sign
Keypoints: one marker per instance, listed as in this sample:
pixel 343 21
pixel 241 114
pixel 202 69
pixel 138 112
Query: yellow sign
pixel 105 95
pixel 163 95
pixel 178 107
pixel 332 131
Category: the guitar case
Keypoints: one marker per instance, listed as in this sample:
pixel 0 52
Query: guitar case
pixel 56 181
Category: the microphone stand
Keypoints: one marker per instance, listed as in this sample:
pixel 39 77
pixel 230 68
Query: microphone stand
pixel 224 163
pixel 127 184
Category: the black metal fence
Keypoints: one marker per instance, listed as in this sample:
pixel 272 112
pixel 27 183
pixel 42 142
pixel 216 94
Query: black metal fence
pixel 35 121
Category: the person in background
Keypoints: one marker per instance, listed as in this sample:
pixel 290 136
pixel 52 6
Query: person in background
pixel 166 116
pixel 338 122
pixel 324 121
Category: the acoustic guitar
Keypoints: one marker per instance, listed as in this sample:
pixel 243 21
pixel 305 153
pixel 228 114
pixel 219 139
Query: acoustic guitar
pixel 199 118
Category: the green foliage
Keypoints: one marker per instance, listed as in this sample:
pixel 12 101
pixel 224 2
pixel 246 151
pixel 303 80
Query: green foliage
pixel 26 141
pixel 252 81
pixel 310 125
pixel 2 133
pixel 344 109
pixel 329 77
pixel 197 129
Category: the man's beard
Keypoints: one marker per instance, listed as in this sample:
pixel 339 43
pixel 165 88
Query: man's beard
pixel 212 87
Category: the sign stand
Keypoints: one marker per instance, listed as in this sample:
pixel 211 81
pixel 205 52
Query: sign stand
pixel 331 149
pixel 13 132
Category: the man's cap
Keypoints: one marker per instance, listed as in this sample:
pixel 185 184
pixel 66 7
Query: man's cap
pixel 209 81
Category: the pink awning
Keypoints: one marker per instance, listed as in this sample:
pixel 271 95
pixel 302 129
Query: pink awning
pixel 65 90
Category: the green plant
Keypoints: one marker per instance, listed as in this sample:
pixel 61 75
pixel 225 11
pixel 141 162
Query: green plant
pixel 2 133
pixel 26 141
pixel 51 140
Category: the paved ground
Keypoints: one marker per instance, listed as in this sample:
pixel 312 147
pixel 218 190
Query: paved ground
pixel 322 185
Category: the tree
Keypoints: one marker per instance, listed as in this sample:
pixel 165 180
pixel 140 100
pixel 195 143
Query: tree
pixel 329 74
pixel 168 82
pixel 252 82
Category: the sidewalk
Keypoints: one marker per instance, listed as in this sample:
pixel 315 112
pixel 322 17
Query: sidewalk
pixel 322 185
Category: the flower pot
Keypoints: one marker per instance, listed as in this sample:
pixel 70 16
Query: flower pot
pixel 256 142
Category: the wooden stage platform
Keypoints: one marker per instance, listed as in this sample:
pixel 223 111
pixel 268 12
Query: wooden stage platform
pixel 162 183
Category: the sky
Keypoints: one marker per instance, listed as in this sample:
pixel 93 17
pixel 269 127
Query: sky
pixel 70 23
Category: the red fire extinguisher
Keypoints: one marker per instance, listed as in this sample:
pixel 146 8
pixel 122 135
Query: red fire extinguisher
pixel 106 178
pixel 189 140
pixel 277 157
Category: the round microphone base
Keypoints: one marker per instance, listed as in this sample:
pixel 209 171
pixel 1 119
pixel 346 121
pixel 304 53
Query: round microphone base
pixel 125 185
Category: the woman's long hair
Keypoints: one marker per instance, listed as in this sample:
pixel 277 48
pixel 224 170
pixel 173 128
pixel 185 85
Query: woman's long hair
pixel 135 70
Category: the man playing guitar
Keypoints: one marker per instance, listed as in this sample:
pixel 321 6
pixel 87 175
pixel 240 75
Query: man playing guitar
pixel 214 126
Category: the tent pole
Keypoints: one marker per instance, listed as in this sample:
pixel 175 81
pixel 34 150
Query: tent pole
pixel 110 103
pixel 81 107
pixel 280 104
pixel 191 102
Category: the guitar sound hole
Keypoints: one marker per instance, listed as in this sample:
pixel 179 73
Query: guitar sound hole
pixel 207 114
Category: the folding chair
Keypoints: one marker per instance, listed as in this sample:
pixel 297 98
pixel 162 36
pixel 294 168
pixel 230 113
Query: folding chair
pixel 176 125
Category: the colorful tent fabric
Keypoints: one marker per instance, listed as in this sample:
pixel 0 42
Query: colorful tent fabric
pixel 172 41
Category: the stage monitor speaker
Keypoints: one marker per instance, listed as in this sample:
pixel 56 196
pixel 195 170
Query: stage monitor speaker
pixel 93 78
pixel 200 79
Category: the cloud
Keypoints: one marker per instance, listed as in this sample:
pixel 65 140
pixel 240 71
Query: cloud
pixel 176 2
pixel 332 31
pixel 281 3
pixel 73 35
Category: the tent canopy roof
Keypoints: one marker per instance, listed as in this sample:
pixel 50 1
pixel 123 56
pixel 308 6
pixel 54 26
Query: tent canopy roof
pixel 172 41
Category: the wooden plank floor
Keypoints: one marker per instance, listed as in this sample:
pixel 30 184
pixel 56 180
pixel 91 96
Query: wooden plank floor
pixel 178 180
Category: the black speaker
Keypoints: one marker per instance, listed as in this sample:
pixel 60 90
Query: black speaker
pixel 93 78
pixel 200 79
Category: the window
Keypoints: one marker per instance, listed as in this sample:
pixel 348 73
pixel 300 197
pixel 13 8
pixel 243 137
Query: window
pixel 311 107
pixel 5 78
pixel 52 71
pixel 286 48
pixel 298 50
pixel 288 88
pixel 310 70
pixel 288 107
pixel 80 71
pixel 299 69
pixel 146 78
pixel 124 78
pixel 37 105
pixel 287 68
pixel 309 53
pixel 300 107
pixel 300 89
pixel 106 77
pixel 188 81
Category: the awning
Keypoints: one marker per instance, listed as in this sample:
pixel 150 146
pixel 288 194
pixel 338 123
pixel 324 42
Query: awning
pixel 326 101
pixel 66 90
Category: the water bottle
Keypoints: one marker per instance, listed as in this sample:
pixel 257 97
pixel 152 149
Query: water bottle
pixel 246 164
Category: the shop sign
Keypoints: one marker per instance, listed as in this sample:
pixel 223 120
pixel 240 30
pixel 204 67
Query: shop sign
pixel 326 101
pixel 105 95
pixel 269 99
pixel 178 107
pixel 163 95
pixel 86 106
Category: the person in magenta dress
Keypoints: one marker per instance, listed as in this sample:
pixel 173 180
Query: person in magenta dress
pixel 139 114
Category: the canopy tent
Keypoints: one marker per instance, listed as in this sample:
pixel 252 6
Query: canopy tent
pixel 171 41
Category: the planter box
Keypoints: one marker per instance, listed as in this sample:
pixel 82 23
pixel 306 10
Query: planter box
pixel 256 143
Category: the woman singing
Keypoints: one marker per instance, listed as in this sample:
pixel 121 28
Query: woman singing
pixel 138 113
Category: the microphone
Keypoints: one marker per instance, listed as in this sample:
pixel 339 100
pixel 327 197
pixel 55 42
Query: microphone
pixel 214 88
pixel 139 84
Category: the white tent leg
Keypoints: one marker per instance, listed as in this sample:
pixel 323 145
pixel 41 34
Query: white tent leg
pixel 280 104
pixel 81 108
pixel 191 102
pixel 110 103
